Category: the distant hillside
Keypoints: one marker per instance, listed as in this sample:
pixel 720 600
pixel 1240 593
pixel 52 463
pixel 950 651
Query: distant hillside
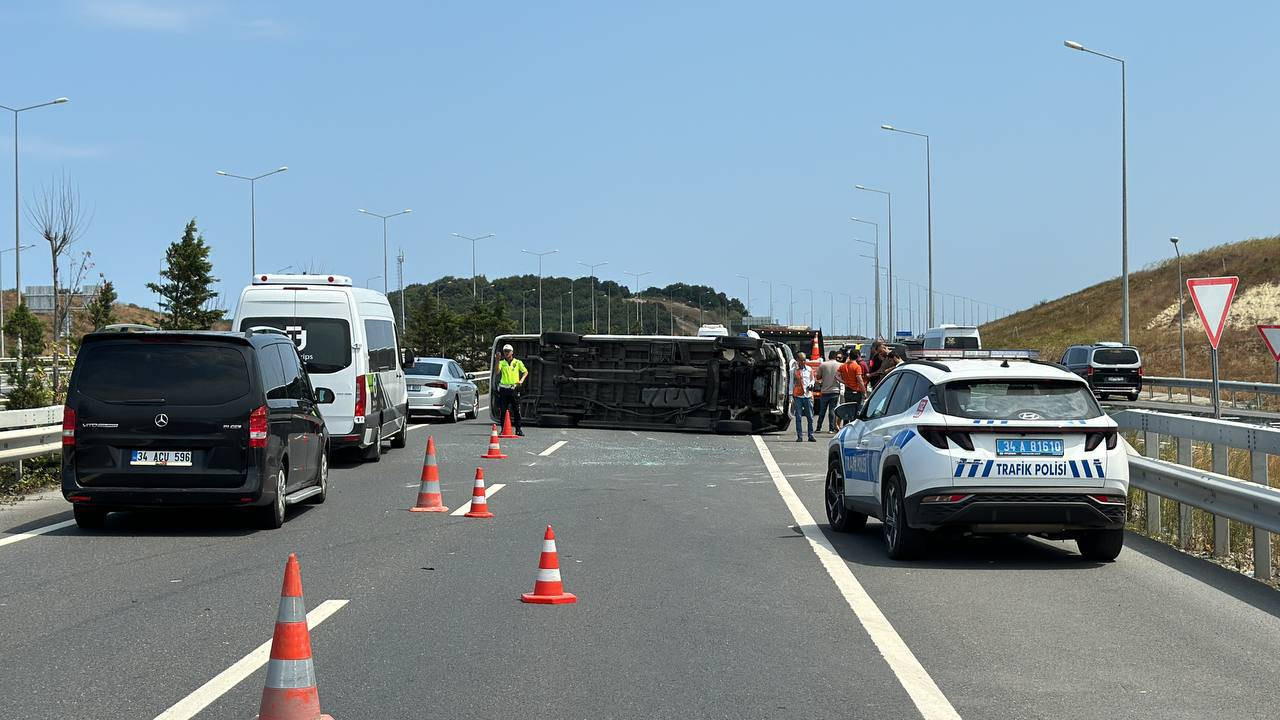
pixel 615 303
pixel 1093 314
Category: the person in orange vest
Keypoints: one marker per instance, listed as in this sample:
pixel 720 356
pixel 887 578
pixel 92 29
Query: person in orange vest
pixel 801 404
pixel 853 377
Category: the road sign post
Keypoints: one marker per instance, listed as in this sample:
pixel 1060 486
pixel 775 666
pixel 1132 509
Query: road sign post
pixel 1271 336
pixel 1212 298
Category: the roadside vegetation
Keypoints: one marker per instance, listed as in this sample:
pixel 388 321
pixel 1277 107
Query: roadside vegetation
pixel 1093 314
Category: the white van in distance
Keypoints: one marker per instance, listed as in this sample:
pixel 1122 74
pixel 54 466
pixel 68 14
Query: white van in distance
pixel 347 338
pixel 952 337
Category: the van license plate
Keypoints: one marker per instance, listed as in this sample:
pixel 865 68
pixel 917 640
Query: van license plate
pixel 1038 447
pixel 177 458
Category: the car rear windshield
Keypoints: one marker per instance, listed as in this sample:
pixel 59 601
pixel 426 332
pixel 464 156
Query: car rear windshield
pixel 159 372
pixel 424 368
pixel 960 342
pixel 1019 400
pixel 324 343
pixel 1115 356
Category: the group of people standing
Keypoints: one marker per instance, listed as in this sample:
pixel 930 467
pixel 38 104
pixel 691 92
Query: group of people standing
pixel 838 379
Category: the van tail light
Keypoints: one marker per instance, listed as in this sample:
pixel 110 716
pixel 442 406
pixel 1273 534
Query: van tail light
pixel 1088 370
pixel 1139 371
pixel 258 428
pixel 360 399
pixel 68 427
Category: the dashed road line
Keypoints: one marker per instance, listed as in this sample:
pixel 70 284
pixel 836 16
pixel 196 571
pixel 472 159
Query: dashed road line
pixel 203 697
pixel 554 447
pixel 19 537
pixel 488 493
pixel 924 692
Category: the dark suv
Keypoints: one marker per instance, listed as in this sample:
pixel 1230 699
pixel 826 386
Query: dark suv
pixel 192 419
pixel 1110 368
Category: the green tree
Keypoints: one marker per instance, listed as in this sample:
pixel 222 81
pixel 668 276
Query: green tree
pixel 29 389
pixel 101 310
pixel 187 290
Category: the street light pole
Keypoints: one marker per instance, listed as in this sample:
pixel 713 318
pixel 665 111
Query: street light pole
pixel 1182 338
pixel 637 276
pixel 17 255
pixel 791 303
pixel 384 242
pixel 253 215
pixel 812 320
pixel 524 297
pixel 592 267
pixel 928 164
pixel 473 258
pixel 877 246
pixel 744 277
pixel 1124 179
pixel 540 255
pixel 770 284
pixel 2 252
pixel 889 198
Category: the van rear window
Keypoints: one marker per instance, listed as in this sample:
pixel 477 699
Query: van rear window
pixel 1115 356
pixel 172 373
pixel 324 343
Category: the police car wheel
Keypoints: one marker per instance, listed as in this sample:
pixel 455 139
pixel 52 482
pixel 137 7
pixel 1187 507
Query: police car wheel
pixel 1100 545
pixel 838 515
pixel 901 541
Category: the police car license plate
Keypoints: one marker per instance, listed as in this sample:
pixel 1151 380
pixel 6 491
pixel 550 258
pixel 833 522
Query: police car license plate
pixel 1037 447
pixel 177 458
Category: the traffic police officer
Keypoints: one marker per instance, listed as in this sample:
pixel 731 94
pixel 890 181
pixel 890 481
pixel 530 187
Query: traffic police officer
pixel 511 375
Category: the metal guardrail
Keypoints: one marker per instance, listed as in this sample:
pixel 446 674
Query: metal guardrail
pixel 1252 502
pixel 1230 389
pixel 25 434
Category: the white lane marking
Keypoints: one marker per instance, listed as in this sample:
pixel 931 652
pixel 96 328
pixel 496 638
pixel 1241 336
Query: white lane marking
pixel 19 537
pixel 203 697
pixel 482 409
pixel 488 493
pixel 924 692
pixel 415 426
pixel 554 447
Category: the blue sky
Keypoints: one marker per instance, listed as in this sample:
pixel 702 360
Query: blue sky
pixel 698 140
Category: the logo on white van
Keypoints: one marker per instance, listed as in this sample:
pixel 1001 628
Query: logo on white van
pixel 299 335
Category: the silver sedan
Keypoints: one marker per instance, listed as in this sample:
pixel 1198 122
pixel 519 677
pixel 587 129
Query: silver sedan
pixel 438 386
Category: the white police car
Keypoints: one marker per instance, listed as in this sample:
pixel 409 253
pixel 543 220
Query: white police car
pixel 984 442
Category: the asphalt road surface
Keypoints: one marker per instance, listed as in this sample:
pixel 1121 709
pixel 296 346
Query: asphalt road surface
pixel 709 587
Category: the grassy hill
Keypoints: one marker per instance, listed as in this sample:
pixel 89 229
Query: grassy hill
pixel 1093 314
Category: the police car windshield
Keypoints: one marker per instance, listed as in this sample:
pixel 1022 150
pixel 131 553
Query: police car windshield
pixel 324 343
pixel 1019 400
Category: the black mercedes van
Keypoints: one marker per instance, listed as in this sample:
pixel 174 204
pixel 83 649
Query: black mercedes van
pixel 185 419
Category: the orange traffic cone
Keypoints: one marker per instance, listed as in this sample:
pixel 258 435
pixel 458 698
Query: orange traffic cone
pixel 547 589
pixel 814 352
pixel 479 503
pixel 507 431
pixel 290 693
pixel 495 453
pixel 429 499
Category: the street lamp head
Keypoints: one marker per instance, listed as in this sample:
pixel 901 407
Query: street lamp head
pixel 860 187
pixel 1173 240
pixel 887 127
pixel 408 210
pixel 61 100
pixel 1073 44
pixel 222 172
pixel 366 212
pixel 282 168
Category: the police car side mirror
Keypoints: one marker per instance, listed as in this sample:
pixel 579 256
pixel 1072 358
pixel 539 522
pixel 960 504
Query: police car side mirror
pixel 324 396
pixel 848 412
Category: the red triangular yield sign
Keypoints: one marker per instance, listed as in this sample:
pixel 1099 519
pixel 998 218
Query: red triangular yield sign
pixel 1271 336
pixel 1212 297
